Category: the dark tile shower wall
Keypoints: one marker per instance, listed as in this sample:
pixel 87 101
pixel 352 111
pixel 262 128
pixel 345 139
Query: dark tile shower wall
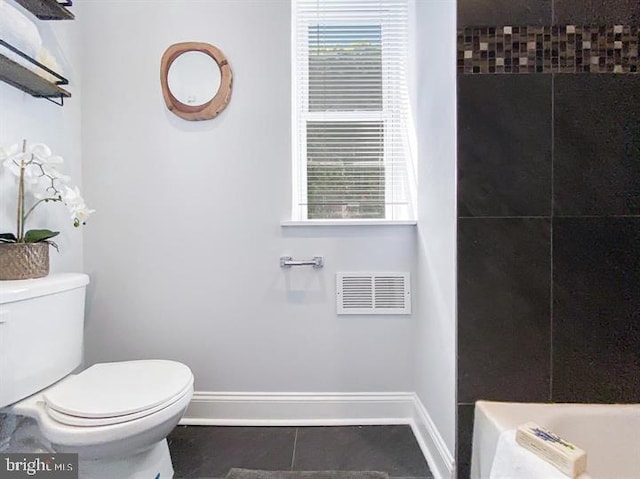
pixel 548 207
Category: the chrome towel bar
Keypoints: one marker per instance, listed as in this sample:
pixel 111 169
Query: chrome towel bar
pixel 288 262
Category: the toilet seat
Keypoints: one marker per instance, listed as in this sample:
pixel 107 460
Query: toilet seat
pixel 106 421
pixel 114 393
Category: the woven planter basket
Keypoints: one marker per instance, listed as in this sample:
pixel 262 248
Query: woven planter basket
pixel 24 260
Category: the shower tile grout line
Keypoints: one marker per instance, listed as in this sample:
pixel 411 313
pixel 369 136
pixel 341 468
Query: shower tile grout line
pixel 550 216
pixel 503 217
pixel 553 155
pixel 295 442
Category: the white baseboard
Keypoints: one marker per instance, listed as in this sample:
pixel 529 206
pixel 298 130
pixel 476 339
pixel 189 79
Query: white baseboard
pixel 440 459
pixel 324 409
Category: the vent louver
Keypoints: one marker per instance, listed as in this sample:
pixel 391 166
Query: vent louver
pixel 373 293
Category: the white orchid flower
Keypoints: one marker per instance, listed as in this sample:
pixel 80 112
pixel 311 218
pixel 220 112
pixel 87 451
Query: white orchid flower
pixel 54 174
pixel 81 215
pixel 75 203
pixel 41 154
pixel 8 151
pixel 50 165
pixel 12 165
pixel 38 167
pixel 46 196
pixel 40 164
pixel 54 160
pixel 40 151
pixel 46 162
pixel 71 196
pixel 31 172
pixel 12 158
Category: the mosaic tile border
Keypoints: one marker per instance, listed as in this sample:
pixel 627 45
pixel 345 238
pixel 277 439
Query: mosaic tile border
pixel 549 49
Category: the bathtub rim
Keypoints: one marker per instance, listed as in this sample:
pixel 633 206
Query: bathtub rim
pixel 491 418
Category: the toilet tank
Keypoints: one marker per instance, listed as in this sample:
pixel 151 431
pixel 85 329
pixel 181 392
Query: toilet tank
pixel 41 332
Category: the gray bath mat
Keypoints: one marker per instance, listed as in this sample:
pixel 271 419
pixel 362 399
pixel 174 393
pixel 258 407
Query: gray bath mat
pixel 254 474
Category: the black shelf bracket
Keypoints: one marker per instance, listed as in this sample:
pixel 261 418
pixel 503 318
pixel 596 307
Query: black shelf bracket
pixel 60 101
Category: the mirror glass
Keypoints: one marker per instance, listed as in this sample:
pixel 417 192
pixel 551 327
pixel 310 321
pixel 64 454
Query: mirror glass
pixel 194 78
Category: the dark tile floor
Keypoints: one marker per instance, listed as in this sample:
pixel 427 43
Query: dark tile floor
pixel 210 451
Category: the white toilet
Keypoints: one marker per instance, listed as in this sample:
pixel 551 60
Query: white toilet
pixel 116 416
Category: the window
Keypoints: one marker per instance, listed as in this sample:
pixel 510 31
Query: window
pixel 351 139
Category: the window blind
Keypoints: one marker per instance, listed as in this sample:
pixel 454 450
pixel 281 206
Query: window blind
pixel 351 125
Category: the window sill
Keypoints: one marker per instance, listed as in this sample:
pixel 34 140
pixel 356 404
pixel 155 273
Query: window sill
pixel 349 223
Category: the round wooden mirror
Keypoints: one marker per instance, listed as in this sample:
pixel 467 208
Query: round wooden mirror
pixel 196 80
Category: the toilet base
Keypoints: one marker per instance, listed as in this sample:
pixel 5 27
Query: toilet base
pixel 153 463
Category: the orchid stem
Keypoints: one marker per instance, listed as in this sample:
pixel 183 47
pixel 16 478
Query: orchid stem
pixel 26 215
pixel 20 216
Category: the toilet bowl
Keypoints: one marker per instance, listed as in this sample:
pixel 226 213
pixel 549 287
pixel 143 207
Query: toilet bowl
pixel 115 416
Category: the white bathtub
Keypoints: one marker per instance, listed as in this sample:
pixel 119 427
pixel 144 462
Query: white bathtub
pixel 610 434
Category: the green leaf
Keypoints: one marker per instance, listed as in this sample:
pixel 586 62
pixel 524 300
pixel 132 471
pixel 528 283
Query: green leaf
pixel 8 238
pixel 51 243
pixel 36 236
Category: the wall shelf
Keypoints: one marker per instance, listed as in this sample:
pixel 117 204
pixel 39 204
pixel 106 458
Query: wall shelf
pixel 24 79
pixel 48 9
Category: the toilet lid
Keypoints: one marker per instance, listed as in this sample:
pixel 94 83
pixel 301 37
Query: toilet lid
pixel 107 421
pixel 119 389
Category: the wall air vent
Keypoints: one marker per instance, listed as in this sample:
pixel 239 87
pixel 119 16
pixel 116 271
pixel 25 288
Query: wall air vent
pixel 373 293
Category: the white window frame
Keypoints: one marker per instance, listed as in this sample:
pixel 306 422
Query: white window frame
pixel 301 117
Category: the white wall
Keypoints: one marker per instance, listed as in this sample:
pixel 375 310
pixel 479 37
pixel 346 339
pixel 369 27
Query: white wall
pixel 183 251
pixel 435 340
pixel 39 121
